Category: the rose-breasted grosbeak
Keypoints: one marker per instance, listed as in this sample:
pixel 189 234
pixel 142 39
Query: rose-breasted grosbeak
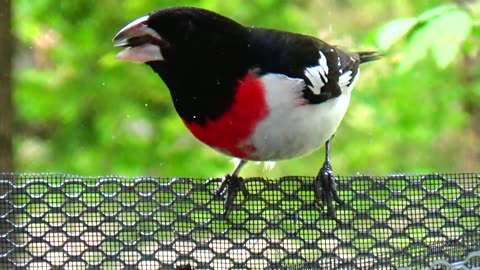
pixel 248 92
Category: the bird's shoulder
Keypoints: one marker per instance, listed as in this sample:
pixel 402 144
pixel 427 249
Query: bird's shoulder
pixel 326 69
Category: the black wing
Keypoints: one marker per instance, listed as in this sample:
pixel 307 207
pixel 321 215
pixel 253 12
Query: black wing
pixel 319 64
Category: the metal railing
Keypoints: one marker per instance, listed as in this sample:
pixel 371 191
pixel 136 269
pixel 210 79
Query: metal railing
pixel 56 221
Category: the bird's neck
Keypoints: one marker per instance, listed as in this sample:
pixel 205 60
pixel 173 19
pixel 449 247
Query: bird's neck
pixel 198 93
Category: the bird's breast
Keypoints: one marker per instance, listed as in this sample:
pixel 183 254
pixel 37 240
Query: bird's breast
pixel 230 133
pixel 294 127
pixel 271 120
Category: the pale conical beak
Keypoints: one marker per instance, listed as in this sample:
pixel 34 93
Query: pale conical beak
pixel 142 43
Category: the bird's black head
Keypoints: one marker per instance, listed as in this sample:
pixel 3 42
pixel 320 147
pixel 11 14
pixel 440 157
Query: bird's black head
pixel 180 32
pixel 199 54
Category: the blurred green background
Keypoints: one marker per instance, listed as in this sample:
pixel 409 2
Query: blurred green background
pixel 79 110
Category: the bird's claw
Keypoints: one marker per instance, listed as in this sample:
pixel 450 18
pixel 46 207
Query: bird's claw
pixel 229 187
pixel 326 190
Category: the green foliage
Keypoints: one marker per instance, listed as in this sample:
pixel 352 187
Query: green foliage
pixel 79 110
pixel 441 30
pixel 393 31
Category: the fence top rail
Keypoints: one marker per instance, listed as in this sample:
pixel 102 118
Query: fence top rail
pixel 57 221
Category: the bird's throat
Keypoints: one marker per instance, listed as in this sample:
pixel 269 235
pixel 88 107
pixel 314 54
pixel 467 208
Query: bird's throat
pixel 230 132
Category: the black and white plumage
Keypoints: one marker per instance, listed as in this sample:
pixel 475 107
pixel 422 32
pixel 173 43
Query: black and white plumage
pixel 248 92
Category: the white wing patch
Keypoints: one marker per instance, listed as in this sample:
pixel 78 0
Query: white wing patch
pixel 344 80
pixel 317 75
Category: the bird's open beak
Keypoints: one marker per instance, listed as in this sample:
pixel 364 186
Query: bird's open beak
pixel 142 44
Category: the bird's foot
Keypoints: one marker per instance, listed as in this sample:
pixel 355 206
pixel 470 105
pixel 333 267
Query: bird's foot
pixel 230 186
pixel 326 190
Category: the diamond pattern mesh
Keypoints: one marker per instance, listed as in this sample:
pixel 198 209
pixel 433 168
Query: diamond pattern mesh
pixel 58 221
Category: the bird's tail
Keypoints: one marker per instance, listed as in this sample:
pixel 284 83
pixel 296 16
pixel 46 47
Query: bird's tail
pixel 369 56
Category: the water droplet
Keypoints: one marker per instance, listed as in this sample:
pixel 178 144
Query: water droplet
pixel 146 105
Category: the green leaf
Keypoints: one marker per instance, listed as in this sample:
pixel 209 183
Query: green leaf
pixel 417 46
pixel 453 28
pixel 393 31
pixel 431 13
pixel 443 35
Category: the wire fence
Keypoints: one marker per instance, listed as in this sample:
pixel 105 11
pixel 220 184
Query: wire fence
pixel 56 221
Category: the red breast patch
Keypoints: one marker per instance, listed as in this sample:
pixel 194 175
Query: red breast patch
pixel 230 132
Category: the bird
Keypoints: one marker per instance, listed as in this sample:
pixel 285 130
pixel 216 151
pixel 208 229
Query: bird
pixel 249 92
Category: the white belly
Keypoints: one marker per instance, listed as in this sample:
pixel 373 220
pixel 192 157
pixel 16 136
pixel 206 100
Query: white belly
pixel 293 128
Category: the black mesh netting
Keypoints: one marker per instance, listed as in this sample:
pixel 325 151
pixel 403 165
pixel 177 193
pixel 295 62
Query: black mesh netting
pixel 391 222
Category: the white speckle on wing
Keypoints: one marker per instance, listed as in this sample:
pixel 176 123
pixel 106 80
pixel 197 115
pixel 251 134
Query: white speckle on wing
pixel 317 75
pixel 344 80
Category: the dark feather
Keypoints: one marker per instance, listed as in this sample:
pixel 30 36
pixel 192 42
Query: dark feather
pixel 368 56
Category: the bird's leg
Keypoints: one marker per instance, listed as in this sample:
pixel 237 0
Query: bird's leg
pixel 325 186
pixel 230 185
